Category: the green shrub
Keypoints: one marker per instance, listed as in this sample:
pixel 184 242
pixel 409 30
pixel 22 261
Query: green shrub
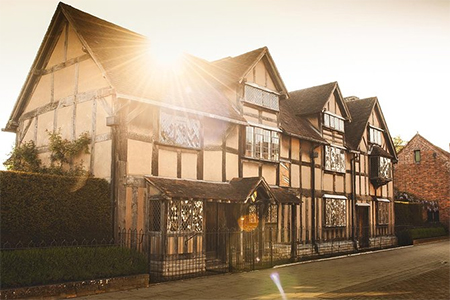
pixel 427 232
pixel 37 207
pixel 406 237
pixel 38 266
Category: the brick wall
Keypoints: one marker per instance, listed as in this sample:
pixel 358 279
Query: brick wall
pixel 427 180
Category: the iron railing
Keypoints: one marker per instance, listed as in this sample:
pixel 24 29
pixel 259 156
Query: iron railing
pixel 182 255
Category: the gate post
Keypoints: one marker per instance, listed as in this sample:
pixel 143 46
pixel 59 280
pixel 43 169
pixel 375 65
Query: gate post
pixel 253 249
pixel 271 246
pixel 149 256
pixel 230 255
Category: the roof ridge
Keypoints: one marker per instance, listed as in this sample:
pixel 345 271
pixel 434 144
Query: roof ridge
pixel 316 86
pixel 436 147
pixel 240 55
pixel 66 8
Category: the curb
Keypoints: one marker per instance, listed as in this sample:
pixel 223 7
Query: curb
pixel 77 288
pixel 430 240
pixel 341 256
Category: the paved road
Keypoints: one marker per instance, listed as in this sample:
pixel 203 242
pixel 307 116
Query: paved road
pixel 416 272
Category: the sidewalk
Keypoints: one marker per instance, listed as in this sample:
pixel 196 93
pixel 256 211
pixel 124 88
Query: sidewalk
pixel 413 272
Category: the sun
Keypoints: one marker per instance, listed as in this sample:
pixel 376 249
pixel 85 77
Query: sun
pixel 165 55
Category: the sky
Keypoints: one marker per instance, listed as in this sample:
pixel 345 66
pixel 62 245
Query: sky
pixel 396 50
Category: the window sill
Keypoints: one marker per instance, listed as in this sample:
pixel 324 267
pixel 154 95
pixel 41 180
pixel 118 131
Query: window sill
pixel 335 172
pixel 261 160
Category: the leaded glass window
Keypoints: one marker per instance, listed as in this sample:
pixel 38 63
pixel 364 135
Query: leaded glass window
pixel 197 216
pixel 272 213
pixel 249 142
pixel 185 216
pixel 375 135
pixel 275 145
pixel 258 142
pixel 173 218
pixel 155 215
pixel 266 144
pixel 261 97
pixel 381 170
pixel 383 213
pixel 334 159
pixel 385 170
pixel 333 121
pixel 179 130
pixel 262 143
pixel 335 212
pixel 252 214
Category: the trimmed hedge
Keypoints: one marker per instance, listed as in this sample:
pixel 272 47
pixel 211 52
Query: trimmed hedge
pixel 427 232
pixel 406 237
pixel 38 207
pixel 39 266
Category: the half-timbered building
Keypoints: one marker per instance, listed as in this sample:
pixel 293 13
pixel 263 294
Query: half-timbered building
pixel 211 146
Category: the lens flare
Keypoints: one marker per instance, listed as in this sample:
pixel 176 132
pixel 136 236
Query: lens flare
pixel 247 223
pixel 276 279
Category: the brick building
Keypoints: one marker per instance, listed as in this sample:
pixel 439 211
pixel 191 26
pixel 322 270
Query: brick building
pixel 423 172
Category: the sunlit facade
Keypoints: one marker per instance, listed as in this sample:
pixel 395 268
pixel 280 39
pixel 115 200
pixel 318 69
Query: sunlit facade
pixel 214 146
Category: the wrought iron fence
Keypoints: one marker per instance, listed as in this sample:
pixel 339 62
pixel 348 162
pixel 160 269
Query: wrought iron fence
pixel 6 245
pixel 182 255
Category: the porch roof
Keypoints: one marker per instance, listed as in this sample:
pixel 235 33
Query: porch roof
pixel 237 190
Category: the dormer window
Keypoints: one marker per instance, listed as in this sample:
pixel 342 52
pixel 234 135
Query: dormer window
pixel 375 134
pixel 333 121
pixel 261 97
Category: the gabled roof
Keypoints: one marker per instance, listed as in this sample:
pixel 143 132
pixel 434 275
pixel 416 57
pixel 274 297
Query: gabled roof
pixel 418 136
pixel 312 100
pixel 361 109
pixel 233 70
pixel 237 190
pixel 297 126
pixel 132 71
pixel 124 60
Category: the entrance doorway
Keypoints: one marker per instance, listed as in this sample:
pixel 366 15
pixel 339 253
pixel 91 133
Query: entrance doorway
pixel 362 213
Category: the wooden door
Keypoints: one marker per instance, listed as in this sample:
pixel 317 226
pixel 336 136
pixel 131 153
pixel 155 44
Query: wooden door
pixel 363 226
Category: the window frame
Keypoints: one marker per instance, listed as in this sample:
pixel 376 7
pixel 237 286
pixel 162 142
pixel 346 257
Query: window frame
pixel 417 156
pixel 333 121
pixel 264 144
pixel 331 202
pixel 380 171
pixel 375 139
pixel 328 157
pixel 382 212
pixel 172 138
pixel 178 219
pixel 267 99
